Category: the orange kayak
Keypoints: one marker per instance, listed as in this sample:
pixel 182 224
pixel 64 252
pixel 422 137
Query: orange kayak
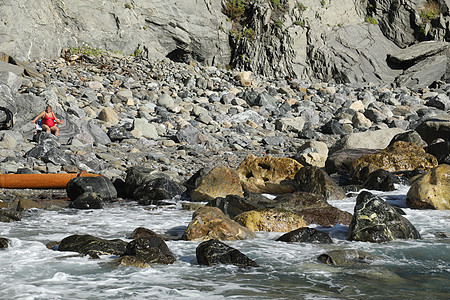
pixel 39 181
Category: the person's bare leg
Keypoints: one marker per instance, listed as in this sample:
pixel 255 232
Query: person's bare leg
pixel 55 130
pixel 46 128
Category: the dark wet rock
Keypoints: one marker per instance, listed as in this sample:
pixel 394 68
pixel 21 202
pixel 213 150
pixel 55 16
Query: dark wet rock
pixel 233 205
pixel 214 252
pixel 314 180
pixel 434 128
pixel 87 200
pixel 7 215
pixel 211 223
pixel 341 161
pixel 313 208
pixel 306 235
pixel 4 243
pixel 149 250
pixel 88 244
pixel 346 257
pixel 381 180
pixel 160 188
pixel 143 232
pixel 440 150
pixel 376 221
pixel 101 186
pixel 147 185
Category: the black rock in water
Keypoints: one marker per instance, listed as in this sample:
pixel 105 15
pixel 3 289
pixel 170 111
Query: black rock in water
pixel 214 252
pixel 4 243
pixel 87 201
pixel 150 250
pixel 376 221
pixel 381 180
pixel 88 244
pixel 306 235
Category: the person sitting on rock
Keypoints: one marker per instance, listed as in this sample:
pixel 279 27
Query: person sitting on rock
pixel 49 121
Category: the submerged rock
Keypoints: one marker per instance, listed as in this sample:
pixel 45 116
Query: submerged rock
pixel 346 257
pixel 431 190
pixel 214 252
pixel 4 243
pixel 376 221
pixel 270 220
pixel 211 223
pixel 306 235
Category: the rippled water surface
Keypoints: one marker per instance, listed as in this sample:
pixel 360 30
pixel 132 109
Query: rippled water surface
pixel 404 270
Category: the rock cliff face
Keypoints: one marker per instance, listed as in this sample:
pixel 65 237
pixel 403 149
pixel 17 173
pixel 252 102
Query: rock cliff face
pixel 333 41
pixel 181 30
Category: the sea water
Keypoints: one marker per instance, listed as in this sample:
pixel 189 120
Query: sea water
pixel 404 269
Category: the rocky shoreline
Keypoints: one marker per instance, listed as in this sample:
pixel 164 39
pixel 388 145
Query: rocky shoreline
pixel 158 130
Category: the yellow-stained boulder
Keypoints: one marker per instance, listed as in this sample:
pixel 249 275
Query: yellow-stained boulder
pixel 431 190
pixel 273 175
pixel 211 223
pixel 219 182
pixel 400 156
pixel 270 220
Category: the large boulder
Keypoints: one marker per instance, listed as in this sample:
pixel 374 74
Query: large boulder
pixel 306 235
pixel 341 161
pixel 145 251
pixel 146 185
pixel 378 139
pixel 270 220
pixel 214 252
pixel 434 128
pixel 400 156
pixel 313 208
pixel 268 174
pixel 100 185
pixel 376 221
pixel 431 190
pixel 219 182
pixel 88 244
pixel 211 223
pixel 314 180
